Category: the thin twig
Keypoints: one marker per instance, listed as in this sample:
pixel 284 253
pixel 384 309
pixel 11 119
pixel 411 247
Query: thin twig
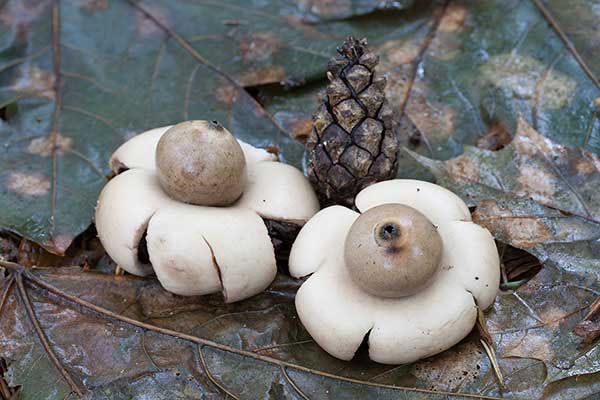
pixel 211 377
pixel 488 345
pixel 43 339
pixel 56 113
pixel 148 354
pixel 209 343
pixel 417 61
pixel 278 346
pixel 384 373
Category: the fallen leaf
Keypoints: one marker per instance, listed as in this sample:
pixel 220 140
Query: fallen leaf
pixel 73 100
pixel 555 218
pixel 111 336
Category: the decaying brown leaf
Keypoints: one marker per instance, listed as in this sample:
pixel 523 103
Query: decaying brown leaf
pixel 542 197
pixel 99 313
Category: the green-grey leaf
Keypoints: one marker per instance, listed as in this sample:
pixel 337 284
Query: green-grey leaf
pixel 80 77
pixel 541 197
pixel 109 358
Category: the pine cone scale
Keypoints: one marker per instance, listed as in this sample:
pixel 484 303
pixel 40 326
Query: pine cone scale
pixel 348 114
pixel 358 77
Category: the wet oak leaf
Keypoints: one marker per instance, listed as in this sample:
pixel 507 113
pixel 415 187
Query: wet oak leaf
pixel 541 322
pixel 293 38
pixel 486 67
pixel 531 166
pixel 461 68
pixel 542 197
pixel 68 99
pixel 256 347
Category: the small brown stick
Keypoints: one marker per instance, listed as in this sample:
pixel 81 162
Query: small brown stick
pixel 38 329
pixel 489 350
pixel 568 44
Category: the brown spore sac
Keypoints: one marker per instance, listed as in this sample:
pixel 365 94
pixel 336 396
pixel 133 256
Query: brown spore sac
pixel 392 250
pixel 200 162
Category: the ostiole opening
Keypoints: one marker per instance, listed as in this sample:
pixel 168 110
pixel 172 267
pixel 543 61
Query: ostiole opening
pixel 389 230
pixel 386 233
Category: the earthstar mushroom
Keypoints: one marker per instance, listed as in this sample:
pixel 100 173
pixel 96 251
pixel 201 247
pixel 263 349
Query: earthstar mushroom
pixel 198 249
pixel 406 314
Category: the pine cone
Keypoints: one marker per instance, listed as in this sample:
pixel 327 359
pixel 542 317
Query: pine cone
pixel 352 144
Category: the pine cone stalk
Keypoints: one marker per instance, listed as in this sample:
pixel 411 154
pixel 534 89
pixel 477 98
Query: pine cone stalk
pixel 352 144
